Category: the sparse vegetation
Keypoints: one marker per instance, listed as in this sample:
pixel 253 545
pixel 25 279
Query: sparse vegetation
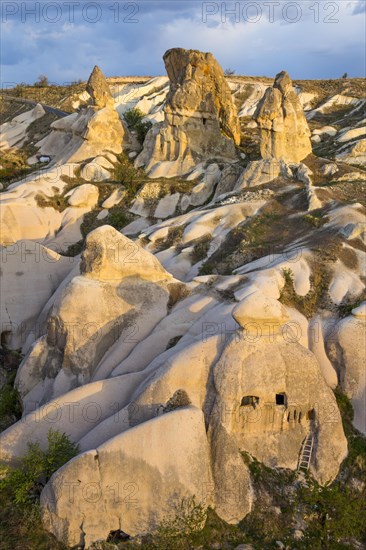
pixel 317 218
pixel 174 237
pixel 190 517
pixel 42 81
pixel 27 481
pixel 134 119
pixel 10 405
pixel 207 268
pixel 14 166
pixel 201 249
pixel 124 172
pixel 314 299
pixel 20 489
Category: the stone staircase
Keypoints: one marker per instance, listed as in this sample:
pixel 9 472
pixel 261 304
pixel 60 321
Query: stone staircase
pixel 305 454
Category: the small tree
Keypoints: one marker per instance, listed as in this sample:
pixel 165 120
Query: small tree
pixel 37 466
pixel 229 72
pixel 345 75
pixel 134 121
pixel 42 81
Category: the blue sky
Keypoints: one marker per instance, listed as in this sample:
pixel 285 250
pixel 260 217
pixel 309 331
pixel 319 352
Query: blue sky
pixel 64 39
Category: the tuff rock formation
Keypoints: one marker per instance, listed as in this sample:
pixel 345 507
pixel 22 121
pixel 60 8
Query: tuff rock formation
pixel 126 282
pixel 94 130
pixel 347 350
pixel 200 120
pixel 284 131
pixel 98 89
pixel 214 335
pixel 125 400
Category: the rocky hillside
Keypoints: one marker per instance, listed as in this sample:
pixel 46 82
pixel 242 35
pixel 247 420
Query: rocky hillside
pixel 183 272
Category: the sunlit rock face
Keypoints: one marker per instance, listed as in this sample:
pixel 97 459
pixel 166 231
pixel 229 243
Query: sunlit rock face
pixel 128 284
pixel 94 130
pixel 284 131
pixel 200 119
pixel 98 89
pixel 347 351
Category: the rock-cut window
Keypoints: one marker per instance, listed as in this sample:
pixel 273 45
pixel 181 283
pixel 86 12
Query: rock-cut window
pixel 281 399
pixel 249 400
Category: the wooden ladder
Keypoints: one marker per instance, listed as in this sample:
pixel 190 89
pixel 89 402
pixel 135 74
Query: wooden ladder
pixel 305 454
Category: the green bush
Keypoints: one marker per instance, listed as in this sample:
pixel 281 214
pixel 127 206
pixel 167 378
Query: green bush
pixel 9 402
pixel 133 117
pixel 190 518
pixel 118 218
pixel 134 121
pixel 42 81
pixel 334 512
pixel 37 466
pixel 124 172
pixel 206 269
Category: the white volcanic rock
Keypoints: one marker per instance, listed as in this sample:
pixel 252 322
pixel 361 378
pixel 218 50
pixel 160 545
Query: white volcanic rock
pixel 98 169
pixel 169 452
pixel 346 346
pixel 304 174
pixel 30 274
pixel 261 171
pixel 277 396
pixel 198 124
pixel 98 89
pixel 284 131
pixel 87 135
pixel 338 100
pixel 167 206
pixel 115 197
pixel 84 195
pixel 258 310
pixel 202 191
pixel 328 130
pixel 93 131
pixel 349 219
pixel 360 311
pixel 130 287
pixel 253 94
pixel 354 153
pixel 110 256
pixel 354 133
pixel 317 334
pixel 329 169
pixel 76 413
pixel 14 133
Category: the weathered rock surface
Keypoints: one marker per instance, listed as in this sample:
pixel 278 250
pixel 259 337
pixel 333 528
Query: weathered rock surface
pixel 115 197
pixel 98 89
pixel 286 398
pixel 284 131
pixel 30 274
pixel 130 287
pixel 348 352
pixel 99 169
pixel 200 120
pixel 14 133
pixel 84 135
pixel 172 382
pixel 84 195
pixel 262 171
pixel 94 130
pixel 169 453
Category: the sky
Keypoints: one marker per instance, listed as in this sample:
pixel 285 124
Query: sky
pixel 64 39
